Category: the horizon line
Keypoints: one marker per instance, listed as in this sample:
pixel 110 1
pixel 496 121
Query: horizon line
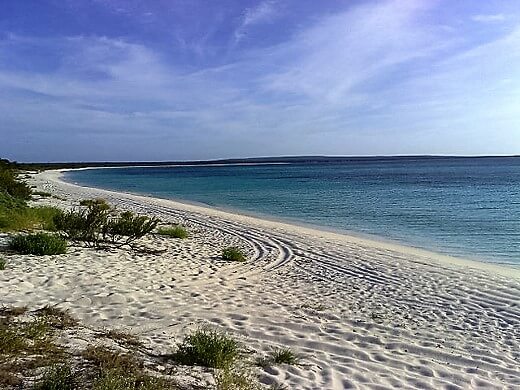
pixel 273 158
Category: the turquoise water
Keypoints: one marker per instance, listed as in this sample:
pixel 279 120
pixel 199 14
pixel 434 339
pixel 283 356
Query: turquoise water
pixel 466 207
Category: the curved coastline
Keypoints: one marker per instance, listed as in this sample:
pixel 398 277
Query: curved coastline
pixel 361 314
pixel 383 243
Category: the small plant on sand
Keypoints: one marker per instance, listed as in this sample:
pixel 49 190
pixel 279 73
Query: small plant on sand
pixel 106 359
pixel 57 318
pixel 176 231
pixel 279 356
pixel 236 378
pixel 38 244
pixel 208 348
pixel 122 337
pixel 57 377
pixel 3 263
pixel 284 356
pixel 119 380
pixel 120 371
pixel 127 227
pixel 233 253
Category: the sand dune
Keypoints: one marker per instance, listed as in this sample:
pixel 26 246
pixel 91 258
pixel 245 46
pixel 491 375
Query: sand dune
pixel 362 314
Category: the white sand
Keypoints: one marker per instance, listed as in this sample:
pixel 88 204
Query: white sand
pixel 362 314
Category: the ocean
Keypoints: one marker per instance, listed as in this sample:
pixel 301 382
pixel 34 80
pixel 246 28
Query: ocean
pixel 465 207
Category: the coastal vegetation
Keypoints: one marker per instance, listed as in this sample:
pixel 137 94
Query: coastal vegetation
pixel 32 351
pixel 15 214
pixel 38 244
pixel 284 356
pixel 208 348
pixel 31 347
pixel 233 253
pixel 176 231
pixel 99 225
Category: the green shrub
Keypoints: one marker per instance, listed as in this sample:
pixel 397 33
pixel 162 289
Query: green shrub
pixel 85 224
pixel 58 377
pixel 10 184
pixel 176 231
pixel 39 244
pixel 233 253
pixel 208 348
pixel 128 227
pixel 2 264
pixel 97 224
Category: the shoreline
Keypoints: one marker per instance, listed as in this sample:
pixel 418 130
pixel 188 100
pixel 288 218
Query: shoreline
pixel 509 270
pixel 360 314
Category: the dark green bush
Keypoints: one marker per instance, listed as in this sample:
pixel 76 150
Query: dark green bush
pixel 39 244
pixel 128 227
pixel 97 224
pixel 176 231
pixel 233 253
pixel 10 184
pixel 2 264
pixel 85 224
pixel 208 348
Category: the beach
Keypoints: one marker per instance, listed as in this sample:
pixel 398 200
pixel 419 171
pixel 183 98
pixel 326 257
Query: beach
pixel 360 313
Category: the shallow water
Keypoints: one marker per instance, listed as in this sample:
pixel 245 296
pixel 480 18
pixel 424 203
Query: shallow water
pixel 466 207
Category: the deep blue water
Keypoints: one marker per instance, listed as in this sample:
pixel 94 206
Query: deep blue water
pixel 463 207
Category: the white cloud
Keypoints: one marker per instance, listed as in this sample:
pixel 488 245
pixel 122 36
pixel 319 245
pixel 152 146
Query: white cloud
pixel 377 76
pixel 264 12
pixel 331 59
pixel 489 18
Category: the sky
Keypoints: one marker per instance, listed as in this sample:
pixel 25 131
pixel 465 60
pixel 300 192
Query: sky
pixel 150 80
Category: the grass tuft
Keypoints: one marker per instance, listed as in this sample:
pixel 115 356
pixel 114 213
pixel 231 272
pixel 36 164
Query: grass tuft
pixel 236 379
pixel 208 348
pixel 16 216
pixel 3 263
pixel 57 377
pixel 279 356
pixel 284 356
pixel 119 380
pixel 123 337
pixel 7 311
pixel 106 359
pixel 176 231
pixel 120 371
pixel 39 244
pixel 57 318
pixel 233 253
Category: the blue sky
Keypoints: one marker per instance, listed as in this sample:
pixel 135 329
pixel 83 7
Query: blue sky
pixel 178 80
